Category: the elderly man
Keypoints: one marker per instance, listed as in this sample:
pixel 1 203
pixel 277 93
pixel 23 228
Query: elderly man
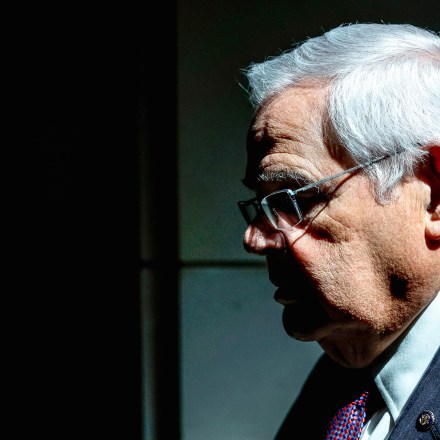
pixel 344 159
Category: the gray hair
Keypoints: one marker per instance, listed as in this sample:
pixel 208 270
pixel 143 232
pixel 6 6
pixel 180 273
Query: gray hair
pixel 384 92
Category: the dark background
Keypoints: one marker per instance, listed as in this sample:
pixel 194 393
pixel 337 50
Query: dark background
pixel 100 95
pixel 79 86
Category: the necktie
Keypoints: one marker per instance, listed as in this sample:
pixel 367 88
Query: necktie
pixel 348 422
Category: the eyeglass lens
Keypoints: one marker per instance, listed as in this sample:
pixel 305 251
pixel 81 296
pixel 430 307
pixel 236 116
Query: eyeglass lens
pixel 282 210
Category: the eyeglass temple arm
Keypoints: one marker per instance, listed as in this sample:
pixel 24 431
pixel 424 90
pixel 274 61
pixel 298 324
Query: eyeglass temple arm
pixel 362 165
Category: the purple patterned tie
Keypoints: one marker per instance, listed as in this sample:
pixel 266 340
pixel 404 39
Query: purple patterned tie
pixel 348 422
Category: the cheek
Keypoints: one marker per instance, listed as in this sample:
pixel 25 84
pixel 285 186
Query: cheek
pixel 361 241
pixel 342 267
pixel 334 258
pixel 329 245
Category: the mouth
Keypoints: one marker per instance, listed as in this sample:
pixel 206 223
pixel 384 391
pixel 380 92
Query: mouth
pixel 303 315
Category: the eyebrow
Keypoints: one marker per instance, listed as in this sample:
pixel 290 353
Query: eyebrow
pixel 276 176
pixel 283 176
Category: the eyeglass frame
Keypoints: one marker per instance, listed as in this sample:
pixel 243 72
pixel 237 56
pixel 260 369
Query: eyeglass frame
pixel 263 205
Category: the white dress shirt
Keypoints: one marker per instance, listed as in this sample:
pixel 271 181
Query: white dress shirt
pixel 398 376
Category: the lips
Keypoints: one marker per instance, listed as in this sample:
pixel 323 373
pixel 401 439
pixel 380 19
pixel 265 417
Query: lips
pixel 286 295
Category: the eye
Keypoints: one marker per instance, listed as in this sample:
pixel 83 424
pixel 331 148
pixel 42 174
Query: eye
pixel 283 203
pixel 307 200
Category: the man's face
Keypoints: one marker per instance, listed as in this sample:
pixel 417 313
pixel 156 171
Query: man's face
pixel 349 274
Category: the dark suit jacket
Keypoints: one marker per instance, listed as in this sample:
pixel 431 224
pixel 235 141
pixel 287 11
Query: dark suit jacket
pixel 330 386
pixel 425 397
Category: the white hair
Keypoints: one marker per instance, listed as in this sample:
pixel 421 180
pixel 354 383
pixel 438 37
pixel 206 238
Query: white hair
pixel 384 92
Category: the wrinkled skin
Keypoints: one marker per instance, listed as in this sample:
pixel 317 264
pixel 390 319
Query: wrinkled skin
pixel 354 273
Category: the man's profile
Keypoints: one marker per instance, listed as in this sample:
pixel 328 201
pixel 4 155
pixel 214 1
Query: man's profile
pixel 343 154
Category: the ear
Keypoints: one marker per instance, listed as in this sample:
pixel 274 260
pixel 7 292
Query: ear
pixel 433 211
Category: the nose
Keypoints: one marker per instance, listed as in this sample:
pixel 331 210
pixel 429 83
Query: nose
pixel 262 239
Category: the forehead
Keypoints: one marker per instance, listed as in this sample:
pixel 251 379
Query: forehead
pixel 288 134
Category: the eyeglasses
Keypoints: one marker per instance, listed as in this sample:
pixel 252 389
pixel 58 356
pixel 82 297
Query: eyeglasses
pixel 282 208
